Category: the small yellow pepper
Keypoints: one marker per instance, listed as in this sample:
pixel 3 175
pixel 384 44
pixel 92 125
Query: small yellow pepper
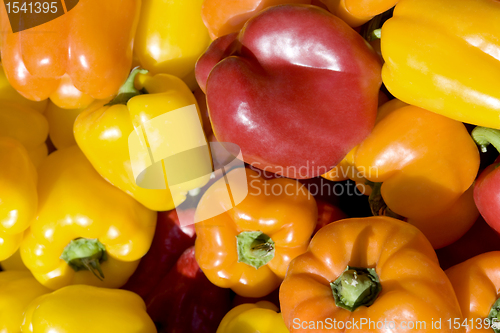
pixel 84 226
pixel 84 309
pixel 18 195
pixel 175 47
pixel 261 317
pixel 102 133
pixel 17 290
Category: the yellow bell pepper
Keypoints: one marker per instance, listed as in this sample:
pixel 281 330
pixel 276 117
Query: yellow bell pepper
pixel 8 93
pixel 175 47
pixel 261 317
pixel 443 56
pixel 103 132
pixel 84 226
pixel 18 195
pixel 13 263
pixel 84 309
pixel 17 290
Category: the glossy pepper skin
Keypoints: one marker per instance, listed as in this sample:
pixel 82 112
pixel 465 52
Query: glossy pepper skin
pixel 17 290
pixel 171 48
pixel 185 301
pixel 280 77
pixel 287 217
pixel 476 283
pixel 87 55
pixel 426 164
pixel 355 12
pixel 82 309
pixel 102 134
pixel 18 195
pixel 7 93
pixel 427 70
pixel 413 286
pixel 486 194
pixel 261 317
pixel 76 202
pixel 169 242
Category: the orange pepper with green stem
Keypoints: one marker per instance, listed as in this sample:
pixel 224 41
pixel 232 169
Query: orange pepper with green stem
pixel 271 228
pixel 375 268
pixel 421 167
pixel 82 55
pixel 477 286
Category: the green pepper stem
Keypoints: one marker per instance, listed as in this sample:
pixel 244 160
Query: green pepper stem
pixel 85 254
pixel 254 248
pixel 494 316
pixel 356 287
pixel 485 136
pixel 127 90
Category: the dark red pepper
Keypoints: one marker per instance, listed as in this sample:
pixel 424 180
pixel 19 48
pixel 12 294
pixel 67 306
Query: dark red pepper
pixel 185 301
pixel 327 214
pixel 481 238
pixel 168 244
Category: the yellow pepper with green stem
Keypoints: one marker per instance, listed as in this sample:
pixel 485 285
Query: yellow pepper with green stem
pixel 102 132
pixel 86 230
pixel 84 309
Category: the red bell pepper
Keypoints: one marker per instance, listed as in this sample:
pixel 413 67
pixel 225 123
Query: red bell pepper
pixel 296 89
pixel 185 301
pixel 168 244
pixel 487 186
pixel 327 214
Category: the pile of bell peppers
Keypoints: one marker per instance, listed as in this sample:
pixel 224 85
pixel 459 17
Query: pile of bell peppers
pixel 339 170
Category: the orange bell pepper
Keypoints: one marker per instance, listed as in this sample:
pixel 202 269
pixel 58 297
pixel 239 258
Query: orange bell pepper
pixel 477 286
pixel 355 12
pixel 82 55
pixel 224 17
pixel 9 94
pixel 374 269
pixel 423 166
pixel 272 225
